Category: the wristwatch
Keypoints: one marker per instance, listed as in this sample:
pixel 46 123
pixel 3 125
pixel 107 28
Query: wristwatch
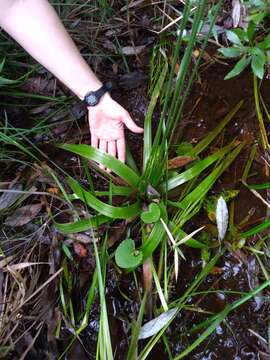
pixel 92 98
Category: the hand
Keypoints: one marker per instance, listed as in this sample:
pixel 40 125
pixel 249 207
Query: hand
pixel 106 123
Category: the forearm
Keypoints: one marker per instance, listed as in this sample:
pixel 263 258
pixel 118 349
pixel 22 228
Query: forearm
pixel 35 25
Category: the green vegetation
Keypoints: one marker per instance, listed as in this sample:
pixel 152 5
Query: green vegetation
pixel 73 234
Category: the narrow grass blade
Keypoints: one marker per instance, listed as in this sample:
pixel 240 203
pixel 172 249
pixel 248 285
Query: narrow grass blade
pixel 264 137
pixel 115 212
pixel 200 191
pixel 263 186
pixel 193 243
pixel 180 303
pixel 133 347
pixel 90 153
pixel 196 169
pixel 148 119
pixel 220 317
pixel 203 144
pixel 255 230
pixel 82 225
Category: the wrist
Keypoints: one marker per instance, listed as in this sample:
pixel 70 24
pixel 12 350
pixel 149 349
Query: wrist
pixel 102 102
pixel 93 98
pixel 90 86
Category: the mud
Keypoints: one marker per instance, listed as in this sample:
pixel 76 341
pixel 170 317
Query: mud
pixel 235 338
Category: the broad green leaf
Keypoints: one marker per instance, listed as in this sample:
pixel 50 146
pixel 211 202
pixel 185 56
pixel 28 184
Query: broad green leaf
pixel 156 235
pixel 185 148
pixel 257 63
pixel 230 52
pixel 238 68
pixel 265 44
pixel 250 30
pixel 126 256
pixel 152 215
pixel 233 37
pixel 257 18
pixel 242 34
pixel 115 212
pixel 82 225
pixel 130 160
pixel 108 161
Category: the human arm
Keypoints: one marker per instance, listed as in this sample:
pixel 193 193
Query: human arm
pixel 35 25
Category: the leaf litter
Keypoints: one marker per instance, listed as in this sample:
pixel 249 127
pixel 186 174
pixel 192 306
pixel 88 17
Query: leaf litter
pixel 151 327
pixel 23 215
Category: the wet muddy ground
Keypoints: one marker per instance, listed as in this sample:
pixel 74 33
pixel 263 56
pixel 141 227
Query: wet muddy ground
pixel 236 339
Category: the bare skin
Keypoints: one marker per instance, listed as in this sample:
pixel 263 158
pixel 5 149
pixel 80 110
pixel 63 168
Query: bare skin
pixel 35 25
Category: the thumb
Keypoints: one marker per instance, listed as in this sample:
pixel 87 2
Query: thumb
pixel 130 124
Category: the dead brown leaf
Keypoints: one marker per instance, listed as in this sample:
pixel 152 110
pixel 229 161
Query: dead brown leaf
pixel 9 198
pixel 179 161
pixel 217 270
pixel 23 215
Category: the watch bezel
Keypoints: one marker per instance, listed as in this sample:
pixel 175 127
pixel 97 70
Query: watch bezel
pixel 98 94
pixel 92 95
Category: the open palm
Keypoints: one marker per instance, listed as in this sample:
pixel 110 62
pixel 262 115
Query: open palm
pixel 106 123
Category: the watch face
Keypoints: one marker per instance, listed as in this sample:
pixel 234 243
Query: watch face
pixel 91 99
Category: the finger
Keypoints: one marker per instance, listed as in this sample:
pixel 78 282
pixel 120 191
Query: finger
pixel 102 147
pixel 130 124
pixel 94 141
pixel 111 151
pixel 121 149
pixel 112 148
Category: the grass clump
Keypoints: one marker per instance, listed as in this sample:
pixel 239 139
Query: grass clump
pixel 142 230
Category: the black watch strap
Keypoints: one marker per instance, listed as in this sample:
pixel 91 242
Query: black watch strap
pixel 107 86
pixel 92 98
